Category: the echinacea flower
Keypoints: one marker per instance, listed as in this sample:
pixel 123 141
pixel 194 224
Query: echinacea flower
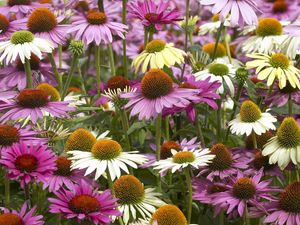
pixel 156 93
pixel 283 10
pixel 241 11
pixel 44 24
pixel 167 215
pixel 153 14
pixel 251 119
pixel 268 37
pixel 275 66
pixel 22 217
pixel 134 199
pixel 195 158
pixel 243 191
pixel 84 203
pixel 96 28
pixel 209 48
pixel 219 71
pixel 33 104
pixel 225 163
pixel 105 156
pixel 292 43
pixel 158 54
pixel 285 146
pixel 22 44
pixel 212 26
pixel 7 27
pixel 27 163
pixel 285 210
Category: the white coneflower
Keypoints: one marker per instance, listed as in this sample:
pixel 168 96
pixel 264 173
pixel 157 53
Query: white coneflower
pixel 251 119
pixel 285 146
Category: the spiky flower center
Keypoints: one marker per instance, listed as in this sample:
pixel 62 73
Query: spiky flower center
pixel 34 63
pixel 156 83
pixel 219 69
pixel 41 20
pixel 289 200
pixel 261 161
pixel 32 98
pixel 268 27
pixel 223 158
pixel 279 60
pixel 118 82
pixel 4 23
pixel 18 2
pixel 8 135
pixel 260 139
pixel 96 17
pixel 288 134
pixel 63 165
pixel 242 74
pixel 51 91
pixel 215 18
pixel 155 46
pixel 10 219
pixel 244 188
pixel 249 112
pixel 168 215
pixel 210 48
pixel 21 37
pixel 81 139
pixel 106 149
pixel 84 204
pixel 26 162
pixel 166 147
pixel 184 157
pixel 82 6
pixel 280 6
pixel 129 190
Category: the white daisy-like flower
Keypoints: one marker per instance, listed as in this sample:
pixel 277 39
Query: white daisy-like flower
pixel 220 71
pixel 22 44
pixel 213 26
pixel 135 201
pixel 285 146
pixel 290 47
pixel 251 119
pixel 276 65
pixel 268 38
pixel 158 54
pixel 106 155
pixel 182 159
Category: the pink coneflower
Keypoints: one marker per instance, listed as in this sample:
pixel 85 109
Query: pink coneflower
pixel 84 203
pixel 44 24
pixel 95 27
pixel 241 11
pixel 156 93
pixel 7 27
pixel 153 14
pixel 33 104
pixel 225 164
pixel 286 209
pixel 11 134
pixel 27 163
pixel 23 217
pixel 243 191
pixel 63 176
pixel 281 10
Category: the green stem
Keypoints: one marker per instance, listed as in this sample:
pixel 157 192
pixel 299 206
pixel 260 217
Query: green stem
pixel 60 56
pixel 27 193
pixel 100 5
pixel 81 79
pixel 55 71
pixel 167 127
pixel 199 129
pixel 150 36
pixel 219 120
pixel 28 73
pixel 290 105
pixel 227 45
pixel 98 69
pixel 125 125
pixel 187 15
pixel 270 89
pixel 217 40
pixel 7 190
pixel 246 218
pixel 157 141
pixel 254 140
pixel 124 3
pixel 70 75
pixel 145 37
pixel 190 195
pixel 111 60
pixel 221 217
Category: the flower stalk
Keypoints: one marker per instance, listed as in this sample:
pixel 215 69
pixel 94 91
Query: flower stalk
pixel 187 172
pixel 28 73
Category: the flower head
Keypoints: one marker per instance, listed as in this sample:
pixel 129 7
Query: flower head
pixel 168 215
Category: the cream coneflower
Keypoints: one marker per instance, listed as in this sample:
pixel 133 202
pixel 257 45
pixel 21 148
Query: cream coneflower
pixel 135 201
pixel 213 26
pixel 285 146
pixel 269 37
pixel 180 160
pixel 22 44
pixel 106 156
pixel 275 66
pixel 251 119
pixel 158 54
pixel 168 215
